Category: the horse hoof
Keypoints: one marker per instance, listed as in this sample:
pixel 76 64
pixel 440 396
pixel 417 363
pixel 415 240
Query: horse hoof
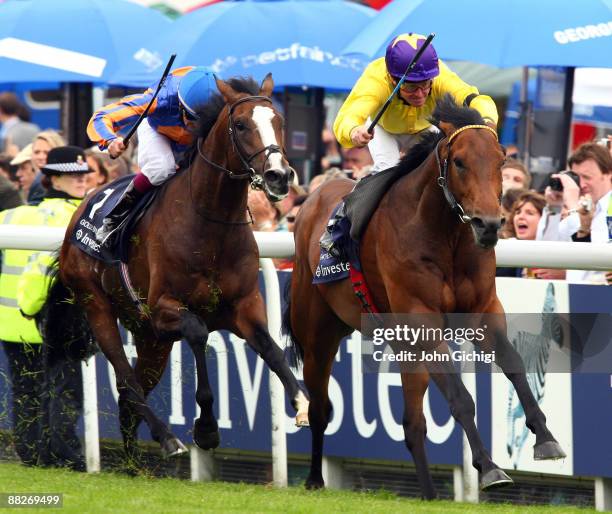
pixel 206 440
pixel 206 435
pixel 173 447
pixel 549 450
pixel 494 478
pixel 301 420
pixel 314 484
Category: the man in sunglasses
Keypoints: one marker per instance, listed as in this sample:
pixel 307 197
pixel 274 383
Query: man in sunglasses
pixel 407 115
pixel 163 135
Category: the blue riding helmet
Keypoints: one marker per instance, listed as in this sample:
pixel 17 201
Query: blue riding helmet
pixel 195 89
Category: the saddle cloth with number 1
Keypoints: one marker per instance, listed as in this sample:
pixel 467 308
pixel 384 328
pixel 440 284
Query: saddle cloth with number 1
pixel 98 207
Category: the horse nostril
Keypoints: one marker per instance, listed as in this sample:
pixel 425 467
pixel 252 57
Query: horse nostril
pixel 274 176
pixel 478 223
pixel 487 224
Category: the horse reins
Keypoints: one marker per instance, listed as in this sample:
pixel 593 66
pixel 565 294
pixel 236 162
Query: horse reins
pixel 256 181
pixel 443 167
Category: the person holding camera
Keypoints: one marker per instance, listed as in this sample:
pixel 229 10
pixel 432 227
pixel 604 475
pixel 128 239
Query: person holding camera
pixel 578 205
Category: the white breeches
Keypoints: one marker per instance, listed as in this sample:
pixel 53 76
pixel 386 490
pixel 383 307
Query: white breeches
pixel 155 156
pixel 386 148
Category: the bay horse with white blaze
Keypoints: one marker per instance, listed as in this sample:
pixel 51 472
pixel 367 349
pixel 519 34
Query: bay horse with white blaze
pixel 428 249
pixel 194 261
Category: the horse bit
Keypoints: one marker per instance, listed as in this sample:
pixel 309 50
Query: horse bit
pixel 256 180
pixel 443 177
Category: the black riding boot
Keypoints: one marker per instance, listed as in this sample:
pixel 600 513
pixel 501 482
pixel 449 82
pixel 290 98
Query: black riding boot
pixel 120 211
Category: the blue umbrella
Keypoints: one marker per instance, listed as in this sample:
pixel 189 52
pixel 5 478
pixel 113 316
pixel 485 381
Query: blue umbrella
pixel 75 40
pixel 298 41
pixel 499 33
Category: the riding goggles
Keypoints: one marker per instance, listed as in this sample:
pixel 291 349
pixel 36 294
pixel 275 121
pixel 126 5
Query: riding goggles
pixel 413 87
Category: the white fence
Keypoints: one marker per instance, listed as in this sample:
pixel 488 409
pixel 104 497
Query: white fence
pixel 510 253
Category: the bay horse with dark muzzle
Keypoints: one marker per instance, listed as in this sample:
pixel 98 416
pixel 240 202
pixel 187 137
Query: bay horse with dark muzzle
pixel 428 249
pixel 194 262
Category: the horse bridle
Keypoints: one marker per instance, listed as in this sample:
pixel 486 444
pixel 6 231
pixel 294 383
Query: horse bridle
pixel 255 180
pixel 443 167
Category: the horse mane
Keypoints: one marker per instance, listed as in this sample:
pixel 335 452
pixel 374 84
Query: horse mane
pixel 447 111
pixel 208 114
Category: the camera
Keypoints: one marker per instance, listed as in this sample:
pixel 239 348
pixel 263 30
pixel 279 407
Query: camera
pixel 556 184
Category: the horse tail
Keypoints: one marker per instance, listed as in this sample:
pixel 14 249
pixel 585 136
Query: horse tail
pixel 62 322
pixel 296 352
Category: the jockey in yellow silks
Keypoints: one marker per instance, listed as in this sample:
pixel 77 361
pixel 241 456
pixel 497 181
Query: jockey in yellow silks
pixel 408 113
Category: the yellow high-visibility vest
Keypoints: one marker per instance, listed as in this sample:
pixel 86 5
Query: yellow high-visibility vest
pixel 13 326
pixel 33 284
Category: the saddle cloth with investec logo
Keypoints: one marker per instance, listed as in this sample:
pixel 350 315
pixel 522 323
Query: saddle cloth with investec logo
pixel 98 207
pixel 330 267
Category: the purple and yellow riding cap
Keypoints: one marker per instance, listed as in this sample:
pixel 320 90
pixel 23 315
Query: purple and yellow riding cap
pixel 401 51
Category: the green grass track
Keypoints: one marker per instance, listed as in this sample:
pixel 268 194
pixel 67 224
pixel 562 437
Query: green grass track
pixel 115 493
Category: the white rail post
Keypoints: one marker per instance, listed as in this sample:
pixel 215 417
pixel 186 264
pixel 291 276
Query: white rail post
pixel 90 415
pixel 458 483
pixel 603 494
pixel 202 464
pixel 277 392
pixel 470 491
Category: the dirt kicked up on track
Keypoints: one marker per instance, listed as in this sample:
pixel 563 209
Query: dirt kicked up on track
pixel 116 493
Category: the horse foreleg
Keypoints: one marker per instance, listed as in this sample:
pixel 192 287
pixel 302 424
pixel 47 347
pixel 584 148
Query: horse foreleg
pixel 318 332
pixel 251 322
pixel 171 316
pixel 464 411
pixel 511 363
pixel 414 385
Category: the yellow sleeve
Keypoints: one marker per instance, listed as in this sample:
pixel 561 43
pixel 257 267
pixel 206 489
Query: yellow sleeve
pixel 449 82
pixel 365 99
pixel 33 284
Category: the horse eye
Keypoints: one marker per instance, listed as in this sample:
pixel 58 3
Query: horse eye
pixel 458 164
pixel 239 125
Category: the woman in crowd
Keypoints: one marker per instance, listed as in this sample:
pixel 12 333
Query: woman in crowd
pixel 523 225
pixel 507 203
pixel 99 173
pixel 526 213
pixel 42 144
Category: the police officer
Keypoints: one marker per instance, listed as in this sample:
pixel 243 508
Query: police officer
pixel 22 344
pixel 62 399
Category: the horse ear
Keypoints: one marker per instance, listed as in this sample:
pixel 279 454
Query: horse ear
pixel 267 86
pixel 228 93
pixel 447 128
